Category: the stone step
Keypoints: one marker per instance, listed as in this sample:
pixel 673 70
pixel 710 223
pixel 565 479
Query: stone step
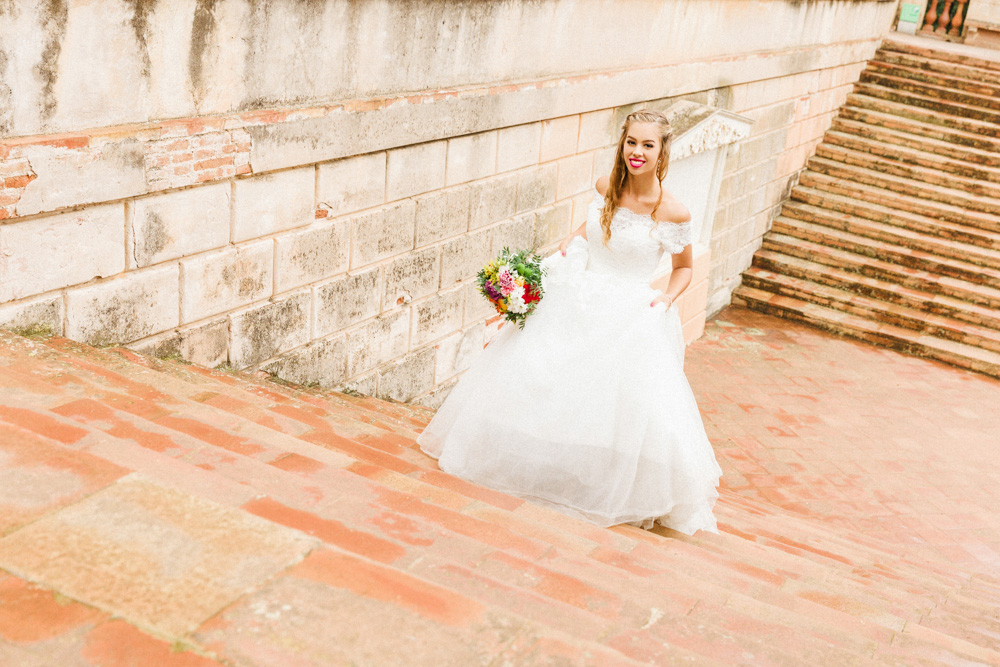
pixel 873 99
pixel 787 542
pixel 493 548
pixel 915 96
pixel 910 164
pixel 905 277
pixel 952 70
pixel 974 93
pixel 940 582
pixel 885 335
pixel 887 252
pixel 843 299
pixel 870 174
pixel 414 472
pixel 931 242
pixel 277 482
pixel 832 209
pixel 908 149
pixel 602 531
pixel 903 202
pixel 931 140
pixel 926 302
pixel 929 52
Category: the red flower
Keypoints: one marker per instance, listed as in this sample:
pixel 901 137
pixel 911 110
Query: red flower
pixel 530 295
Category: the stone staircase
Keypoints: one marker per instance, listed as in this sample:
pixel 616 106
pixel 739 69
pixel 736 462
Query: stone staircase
pixel 185 516
pixel 892 234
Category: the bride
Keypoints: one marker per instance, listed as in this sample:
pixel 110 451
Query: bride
pixel 587 410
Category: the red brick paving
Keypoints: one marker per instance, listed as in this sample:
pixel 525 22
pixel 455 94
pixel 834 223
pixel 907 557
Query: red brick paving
pixel 855 510
pixel 878 443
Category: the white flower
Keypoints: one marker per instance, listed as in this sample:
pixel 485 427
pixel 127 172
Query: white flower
pixel 515 301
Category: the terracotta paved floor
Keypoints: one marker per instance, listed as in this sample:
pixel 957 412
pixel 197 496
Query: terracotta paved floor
pixel 882 443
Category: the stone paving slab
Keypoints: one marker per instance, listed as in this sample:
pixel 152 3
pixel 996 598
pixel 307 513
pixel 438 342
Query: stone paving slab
pixel 157 557
pixel 336 609
pixel 38 476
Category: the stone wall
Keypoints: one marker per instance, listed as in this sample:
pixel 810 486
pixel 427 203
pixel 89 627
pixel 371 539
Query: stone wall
pixel 310 187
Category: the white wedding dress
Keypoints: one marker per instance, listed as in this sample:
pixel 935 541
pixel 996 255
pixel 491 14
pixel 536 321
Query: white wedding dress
pixel 587 410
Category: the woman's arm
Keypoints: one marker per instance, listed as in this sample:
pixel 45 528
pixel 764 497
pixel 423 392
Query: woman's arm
pixel 580 231
pixel 673 285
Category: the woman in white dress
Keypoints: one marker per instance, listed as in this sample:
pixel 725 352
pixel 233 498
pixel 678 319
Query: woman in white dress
pixel 587 410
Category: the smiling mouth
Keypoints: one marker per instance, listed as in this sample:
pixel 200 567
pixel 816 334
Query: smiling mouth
pixel 636 163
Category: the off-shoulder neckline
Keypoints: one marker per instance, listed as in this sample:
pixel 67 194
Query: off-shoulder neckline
pixel 648 216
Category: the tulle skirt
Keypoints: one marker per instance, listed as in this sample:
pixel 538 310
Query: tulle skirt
pixel 586 410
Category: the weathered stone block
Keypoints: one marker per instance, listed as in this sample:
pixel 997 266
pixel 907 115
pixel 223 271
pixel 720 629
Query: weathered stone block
pixel 382 233
pixel 204 344
pixel 477 308
pixel 575 175
pixel 321 362
pixel 581 205
pixel 518 146
pixel 597 130
pixel 516 234
pixel 463 257
pixel 363 384
pixel 377 341
pixel 261 332
pixel 226 279
pixel 346 300
pixel 124 309
pixel 559 137
pixel 415 169
pixel 434 399
pixel 442 214
pixel 456 352
pixel 312 254
pixel 273 202
pixel 352 184
pixel 179 223
pixel 604 160
pixel 536 187
pixel 408 377
pixel 471 157
pixel 437 316
pixel 103 171
pixel 411 277
pixel 552 223
pixel 492 200
pixel 56 251
pixel 43 315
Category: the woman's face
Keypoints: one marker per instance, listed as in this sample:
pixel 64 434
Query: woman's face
pixel 642 148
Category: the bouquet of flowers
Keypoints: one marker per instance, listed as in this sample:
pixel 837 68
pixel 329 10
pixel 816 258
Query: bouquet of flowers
pixel 513 284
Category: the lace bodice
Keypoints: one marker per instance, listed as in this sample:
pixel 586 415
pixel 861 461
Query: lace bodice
pixel 636 245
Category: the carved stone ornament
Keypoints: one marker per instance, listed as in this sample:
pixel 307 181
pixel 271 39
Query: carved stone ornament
pixel 699 127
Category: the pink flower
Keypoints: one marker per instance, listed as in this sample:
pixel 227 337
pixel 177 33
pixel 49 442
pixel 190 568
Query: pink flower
pixel 506 279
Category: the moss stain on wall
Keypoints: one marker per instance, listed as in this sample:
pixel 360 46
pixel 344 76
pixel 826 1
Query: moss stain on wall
pixel 54 15
pixel 202 29
pixel 141 9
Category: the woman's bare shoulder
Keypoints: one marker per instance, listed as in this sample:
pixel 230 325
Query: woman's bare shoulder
pixel 672 210
pixel 602 185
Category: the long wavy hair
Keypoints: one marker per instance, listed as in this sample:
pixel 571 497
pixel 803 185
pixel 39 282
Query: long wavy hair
pixel 619 172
